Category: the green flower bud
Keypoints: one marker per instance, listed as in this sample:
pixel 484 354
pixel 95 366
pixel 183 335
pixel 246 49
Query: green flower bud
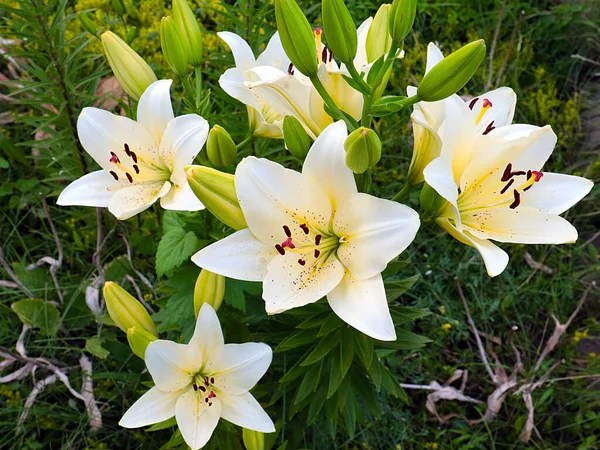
pixel 119 7
pixel 132 33
pixel 125 310
pixel 132 72
pixel 220 148
pixel 363 149
pixel 379 40
pixel 87 24
pixel 216 190
pixel 209 288
pixel 172 46
pixel 296 139
pixel 253 440
pixel 401 18
pixel 297 37
pixel 139 339
pixel 340 30
pixel 189 30
pixel 451 73
pixel 432 203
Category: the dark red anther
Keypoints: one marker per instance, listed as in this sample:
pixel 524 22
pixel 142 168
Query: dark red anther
pixel 206 381
pixel 288 243
pixel 127 151
pixel 517 201
pixel 487 103
pixel 133 156
pixel 538 175
pixel 318 31
pixel 489 128
pixel 212 380
pixel 211 394
pixel 330 55
pixel 318 239
pixel 304 228
pixel 324 54
pixel 291 69
pixel 114 175
pixel 136 168
pixel 506 175
pixel 505 188
pixel 202 388
pixel 287 231
pixel 195 387
pixel 114 158
pixel 301 262
pixel 473 102
pixel 129 177
pixel 206 400
pixel 317 253
pixel 280 249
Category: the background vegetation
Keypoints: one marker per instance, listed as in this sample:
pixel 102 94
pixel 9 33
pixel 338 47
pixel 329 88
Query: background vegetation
pixel 50 68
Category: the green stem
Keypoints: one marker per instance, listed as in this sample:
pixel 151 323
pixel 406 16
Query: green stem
pixel 198 74
pixel 356 77
pixel 403 193
pixel 338 114
pixel 245 142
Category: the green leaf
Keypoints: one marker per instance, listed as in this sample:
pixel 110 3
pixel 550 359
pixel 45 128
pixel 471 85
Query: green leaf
pixel 332 323
pixel 346 352
pixel 39 314
pixel 93 345
pixel 316 405
pixel 309 383
pixel 394 289
pixel 314 321
pixel 365 348
pixel 335 375
pixel 174 248
pixel 162 425
pixel 172 220
pixel 295 340
pixel 391 384
pixel 375 370
pixel 321 349
pixel 404 314
pixel 236 290
pixel 387 105
pixel 405 340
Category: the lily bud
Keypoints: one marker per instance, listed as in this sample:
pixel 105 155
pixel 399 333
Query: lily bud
pixel 379 40
pixel 119 7
pixel 173 48
pixel 253 440
pixel 189 30
pixel 216 190
pixel 296 139
pixel 363 149
pixel 340 30
pixel 220 148
pixel 139 339
pixel 125 310
pixel 401 18
pixel 132 72
pixel 452 73
pixel 87 24
pixel 431 202
pixel 296 37
pixel 209 288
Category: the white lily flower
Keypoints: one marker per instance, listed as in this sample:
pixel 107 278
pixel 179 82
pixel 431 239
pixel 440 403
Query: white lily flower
pixel 489 171
pixel 311 234
pixel 201 382
pixel 142 160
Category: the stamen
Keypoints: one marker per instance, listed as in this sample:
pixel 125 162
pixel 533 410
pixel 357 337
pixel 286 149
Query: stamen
pixel 206 381
pixel 206 400
pixel 538 175
pixel 290 70
pixel 301 262
pixel 114 175
pixel 129 177
pixel 127 151
pixel 486 105
pixel 505 188
pixel 212 380
pixel 304 228
pixel 288 243
pixel 324 54
pixel 317 32
pixel 195 387
pixel 517 201
pixel 280 249
pixel 317 253
pixel 136 168
pixel 507 175
pixel 211 394
pixel 114 158
pixel 287 231
pixel 318 239
pixel 330 55
pixel 134 157
pixel 473 102
pixel 202 388
pixel 489 128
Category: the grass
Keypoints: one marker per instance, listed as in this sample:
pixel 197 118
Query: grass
pixel 64 69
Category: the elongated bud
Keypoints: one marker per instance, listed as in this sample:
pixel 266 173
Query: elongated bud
pixel 296 139
pixel 401 18
pixel 340 30
pixel 125 310
pixel 379 40
pixel 253 440
pixel 297 37
pixel 189 30
pixel 363 149
pixel 220 148
pixel 172 46
pixel 216 190
pixel 139 339
pixel 132 33
pixel 132 72
pixel 431 203
pixel 87 24
pixel 209 288
pixel 119 7
pixel 452 73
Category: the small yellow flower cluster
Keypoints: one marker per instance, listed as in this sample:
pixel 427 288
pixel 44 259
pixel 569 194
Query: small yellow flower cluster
pixel 447 327
pixel 432 445
pixel 579 335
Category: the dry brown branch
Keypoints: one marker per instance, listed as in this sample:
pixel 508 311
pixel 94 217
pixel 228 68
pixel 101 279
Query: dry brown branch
pixel 538 265
pixel 493 46
pixel 9 284
pixel 511 44
pixel 87 391
pixel 139 293
pixel 38 388
pixel 137 272
pixel 18 374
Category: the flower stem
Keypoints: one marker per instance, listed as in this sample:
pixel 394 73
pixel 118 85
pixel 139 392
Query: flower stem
pixel 245 142
pixel 356 77
pixel 403 193
pixel 198 74
pixel 337 113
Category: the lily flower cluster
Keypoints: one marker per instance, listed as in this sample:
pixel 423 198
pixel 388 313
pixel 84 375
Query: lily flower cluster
pixel 315 233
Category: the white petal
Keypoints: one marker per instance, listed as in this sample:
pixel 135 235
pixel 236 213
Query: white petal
pixel 345 97
pixel 183 139
pixel 434 56
pixel 181 198
pixel 233 82
pixel 361 60
pixel 129 201
pixel 242 53
pixel 208 336
pixel 244 411
pixel 240 256
pixel 501 112
pixel 154 109
pixel 272 196
pixel 196 419
pixel 521 225
pixel 373 232
pixel 494 257
pixel 362 304
pixel 438 175
pixel 326 163
pixel 172 365
pixel 458 134
pixel 152 407
pixel 274 55
pixel 102 132
pixel 238 367
pixel 427 146
pixel 92 189
pixel 556 192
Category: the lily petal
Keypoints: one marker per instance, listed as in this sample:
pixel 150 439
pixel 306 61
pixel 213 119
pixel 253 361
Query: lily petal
pixel 458 134
pixel 434 56
pixel 556 192
pixel 242 53
pixel 181 198
pixel 208 336
pixel 92 189
pixel 373 231
pixel 233 82
pixel 438 175
pixel 155 110
pixel 363 305
pixel 196 419
pixel 240 256
pixel 172 365
pixel 153 407
pixel 244 411
pixel 129 201
pixel 274 55
pixel 501 112
pixel 238 367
